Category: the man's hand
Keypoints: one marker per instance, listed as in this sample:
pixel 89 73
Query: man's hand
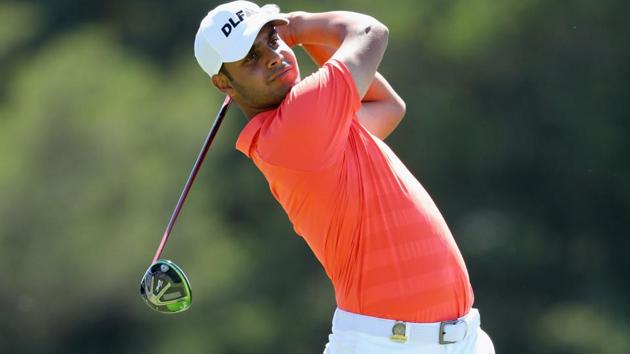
pixel 286 32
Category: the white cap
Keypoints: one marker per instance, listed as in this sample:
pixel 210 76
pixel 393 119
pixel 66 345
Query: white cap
pixel 228 32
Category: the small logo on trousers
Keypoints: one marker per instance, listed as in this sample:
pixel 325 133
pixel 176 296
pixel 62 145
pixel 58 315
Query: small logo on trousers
pixel 399 330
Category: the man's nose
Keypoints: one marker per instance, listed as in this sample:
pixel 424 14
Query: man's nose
pixel 274 58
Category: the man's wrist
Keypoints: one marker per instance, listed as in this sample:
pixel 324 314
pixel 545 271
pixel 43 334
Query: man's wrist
pixel 291 32
pixel 323 28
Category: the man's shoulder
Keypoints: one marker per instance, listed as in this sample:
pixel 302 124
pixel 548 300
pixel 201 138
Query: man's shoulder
pixel 331 83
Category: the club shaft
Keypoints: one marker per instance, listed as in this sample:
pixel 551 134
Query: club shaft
pixel 193 174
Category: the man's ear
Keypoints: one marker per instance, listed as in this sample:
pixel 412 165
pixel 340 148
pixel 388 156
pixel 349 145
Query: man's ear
pixel 222 83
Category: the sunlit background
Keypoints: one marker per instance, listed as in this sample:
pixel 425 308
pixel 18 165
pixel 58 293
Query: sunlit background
pixel 518 117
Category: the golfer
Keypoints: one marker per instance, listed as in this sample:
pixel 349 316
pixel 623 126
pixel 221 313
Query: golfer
pixel 400 282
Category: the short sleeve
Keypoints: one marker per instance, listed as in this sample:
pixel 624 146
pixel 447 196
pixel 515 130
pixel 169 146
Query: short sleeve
pixel 310 128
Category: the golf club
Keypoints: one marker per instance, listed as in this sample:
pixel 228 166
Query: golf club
pixel 164 286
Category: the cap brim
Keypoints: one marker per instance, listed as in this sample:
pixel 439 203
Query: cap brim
pixel 255 23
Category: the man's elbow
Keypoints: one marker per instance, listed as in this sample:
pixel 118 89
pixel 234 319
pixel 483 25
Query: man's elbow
pixel 383 30
pixel 396 114
pixel 399 109
pixel 378 29
pixel 370 26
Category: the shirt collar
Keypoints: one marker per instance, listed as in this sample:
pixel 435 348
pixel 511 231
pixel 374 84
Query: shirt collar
pixel 249 133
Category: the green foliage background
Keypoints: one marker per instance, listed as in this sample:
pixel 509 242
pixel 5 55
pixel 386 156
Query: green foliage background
pixel 517 123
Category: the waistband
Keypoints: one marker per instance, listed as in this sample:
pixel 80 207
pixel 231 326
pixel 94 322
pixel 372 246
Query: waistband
pixel 445 332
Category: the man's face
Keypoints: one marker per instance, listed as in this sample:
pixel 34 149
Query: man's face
pixel 262 79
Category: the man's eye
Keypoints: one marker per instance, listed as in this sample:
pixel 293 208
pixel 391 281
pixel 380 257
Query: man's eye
pixel 274 39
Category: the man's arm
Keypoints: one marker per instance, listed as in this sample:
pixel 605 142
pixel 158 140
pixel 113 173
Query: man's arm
pixel 361 40
pixel 381 107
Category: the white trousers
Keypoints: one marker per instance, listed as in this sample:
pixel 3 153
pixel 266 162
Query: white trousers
pixel 359 334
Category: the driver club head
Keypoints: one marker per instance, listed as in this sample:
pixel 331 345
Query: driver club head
pixel 165 287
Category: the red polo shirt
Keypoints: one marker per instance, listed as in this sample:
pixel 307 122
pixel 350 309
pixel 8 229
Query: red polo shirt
pixel 377 233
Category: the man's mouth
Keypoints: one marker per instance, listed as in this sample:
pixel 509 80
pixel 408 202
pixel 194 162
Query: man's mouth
pixel 280 73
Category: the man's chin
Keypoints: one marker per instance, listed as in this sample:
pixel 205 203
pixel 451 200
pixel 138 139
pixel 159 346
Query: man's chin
pixel 289 82
pixel 289 86
pixel 282 96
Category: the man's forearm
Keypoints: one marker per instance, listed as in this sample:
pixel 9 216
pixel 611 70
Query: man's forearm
pixel 379 89
pixel 319 53
pixel 360 40
pixel 327 28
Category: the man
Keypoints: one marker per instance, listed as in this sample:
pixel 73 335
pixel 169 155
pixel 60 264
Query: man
pixel 400 282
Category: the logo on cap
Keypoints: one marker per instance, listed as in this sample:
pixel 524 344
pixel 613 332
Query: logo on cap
pixel 231 24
